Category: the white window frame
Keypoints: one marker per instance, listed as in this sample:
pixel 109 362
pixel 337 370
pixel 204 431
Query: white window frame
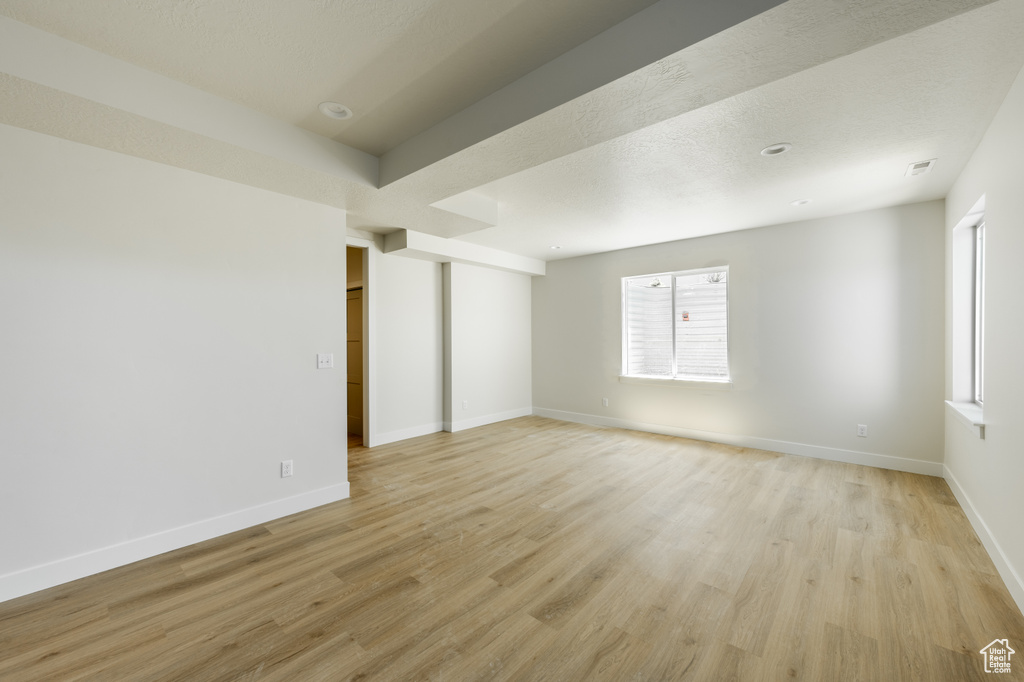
pixel 978 378
pixel 725 381
pixel 967 319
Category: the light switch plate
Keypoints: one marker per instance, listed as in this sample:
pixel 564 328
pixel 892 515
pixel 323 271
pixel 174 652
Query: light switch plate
pixel 324 360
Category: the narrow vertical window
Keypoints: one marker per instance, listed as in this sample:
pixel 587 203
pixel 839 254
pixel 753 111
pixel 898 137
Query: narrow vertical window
pixel 979 314
pixel 676 325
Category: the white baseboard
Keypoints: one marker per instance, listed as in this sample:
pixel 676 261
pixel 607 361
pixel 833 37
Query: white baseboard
pixel 1013 581
pixel 464 424
pixel 403 434
pixel 62 571
pixel 915 466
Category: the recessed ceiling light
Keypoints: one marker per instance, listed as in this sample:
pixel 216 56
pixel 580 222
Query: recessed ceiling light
pixel 556 247
pixel 776 149
pixel 800 202
pixel 335 110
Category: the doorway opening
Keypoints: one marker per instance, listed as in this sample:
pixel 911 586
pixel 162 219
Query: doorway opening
pixel 355 357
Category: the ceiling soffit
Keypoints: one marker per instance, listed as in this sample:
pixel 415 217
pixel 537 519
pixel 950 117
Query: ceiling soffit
pixel 790 38
pixel 478 145
pixel 855 124
pixel 401 66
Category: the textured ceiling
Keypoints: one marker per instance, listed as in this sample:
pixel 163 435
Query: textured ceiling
pixel 796 36
pixel 855 123
pixel 400 66
pixel 587 124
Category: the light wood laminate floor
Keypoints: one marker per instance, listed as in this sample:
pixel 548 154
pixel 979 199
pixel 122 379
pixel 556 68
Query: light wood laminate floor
pixel 539 550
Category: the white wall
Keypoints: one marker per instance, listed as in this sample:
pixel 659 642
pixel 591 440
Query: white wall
pixel 406 343
pixel 987 475
pixel 157 358
pixel 489 332
pixel 833 323
pixel 487 346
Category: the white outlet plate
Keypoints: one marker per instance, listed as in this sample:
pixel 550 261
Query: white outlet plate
pixel 324 360
pixel 862 430
pixel 286 468
pixel 604 401
pixel 465 404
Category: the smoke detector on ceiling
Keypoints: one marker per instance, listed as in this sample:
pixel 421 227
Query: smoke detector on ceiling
pixel 920 167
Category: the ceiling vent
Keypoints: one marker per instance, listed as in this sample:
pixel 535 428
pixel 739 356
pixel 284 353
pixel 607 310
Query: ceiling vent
pixel 920 167
pixel 776 149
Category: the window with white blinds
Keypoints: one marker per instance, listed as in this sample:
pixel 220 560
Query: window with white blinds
pixel 676 325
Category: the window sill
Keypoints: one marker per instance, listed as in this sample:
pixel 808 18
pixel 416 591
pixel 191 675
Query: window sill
pixel 725 385
pixel 971 415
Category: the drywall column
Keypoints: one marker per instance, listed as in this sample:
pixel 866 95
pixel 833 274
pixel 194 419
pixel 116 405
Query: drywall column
pixel 405 399
pixel 487 346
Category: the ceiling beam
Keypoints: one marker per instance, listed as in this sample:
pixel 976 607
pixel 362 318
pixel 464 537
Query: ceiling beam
pixel 542 117
pixel 651 34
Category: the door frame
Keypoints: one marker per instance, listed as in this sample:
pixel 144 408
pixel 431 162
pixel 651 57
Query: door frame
pixel 370 252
